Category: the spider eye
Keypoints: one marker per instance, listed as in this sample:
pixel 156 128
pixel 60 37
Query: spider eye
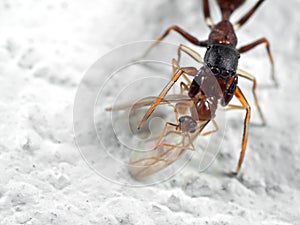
pixel 215 70
pixel 225 73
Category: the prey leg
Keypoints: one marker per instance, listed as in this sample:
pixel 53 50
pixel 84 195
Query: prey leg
pixel 192 53
pixel 212 131
pixel 165 133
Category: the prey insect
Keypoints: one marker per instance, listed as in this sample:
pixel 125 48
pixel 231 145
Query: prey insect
pixel 216 82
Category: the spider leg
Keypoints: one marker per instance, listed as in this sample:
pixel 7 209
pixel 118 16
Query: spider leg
pixel 206 11
pixel 245 18
pixel 180 31
pixel 240 96
pixel 253 79
pixel 256 43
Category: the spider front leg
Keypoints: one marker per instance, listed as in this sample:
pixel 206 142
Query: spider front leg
pixel 188 71
pixel 190 52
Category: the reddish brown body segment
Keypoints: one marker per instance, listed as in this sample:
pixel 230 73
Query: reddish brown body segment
pixel 228 7
pixel 223 33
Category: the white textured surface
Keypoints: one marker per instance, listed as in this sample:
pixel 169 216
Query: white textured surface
pixel 45 46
